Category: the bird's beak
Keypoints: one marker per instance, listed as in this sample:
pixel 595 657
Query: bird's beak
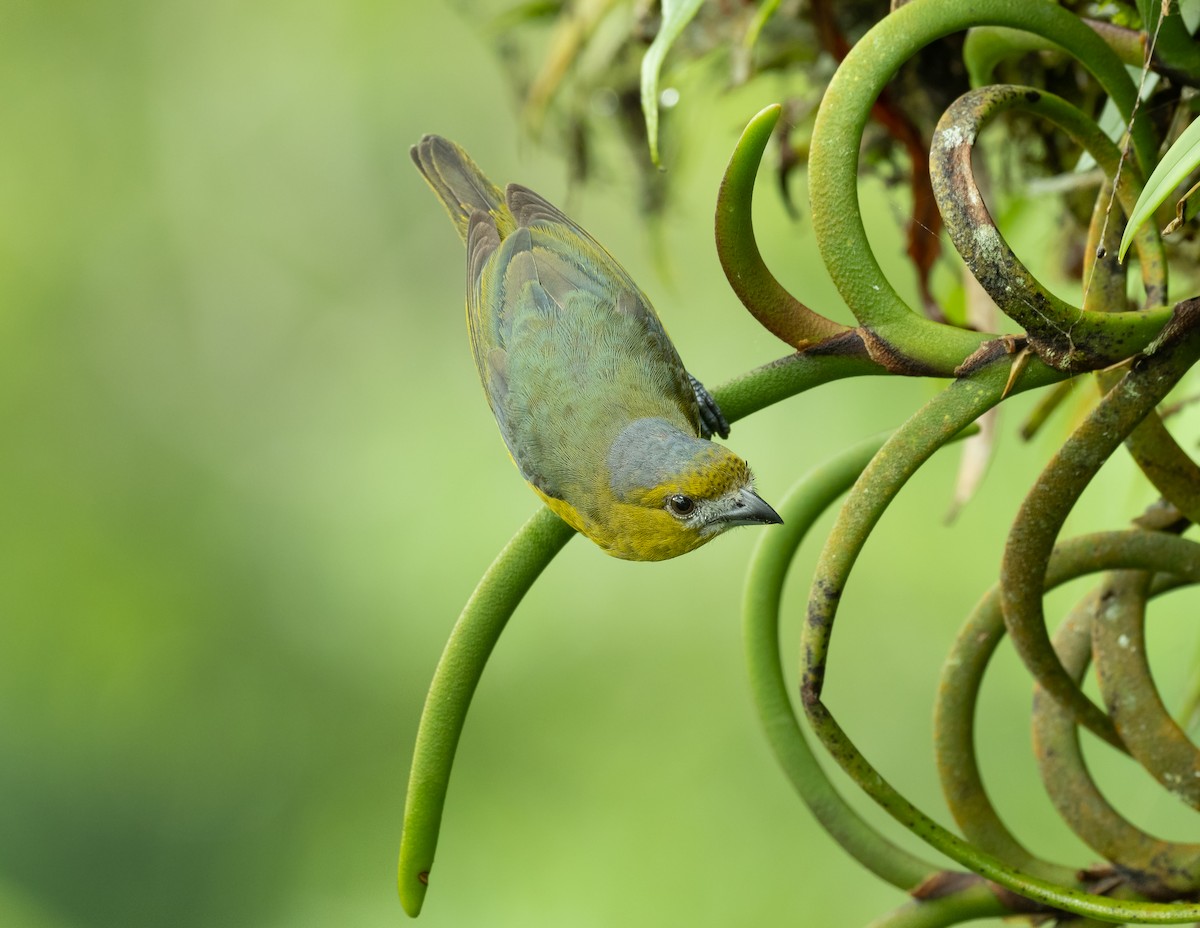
pixel 746 508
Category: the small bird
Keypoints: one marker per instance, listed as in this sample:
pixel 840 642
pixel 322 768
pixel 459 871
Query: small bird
pixel 596 408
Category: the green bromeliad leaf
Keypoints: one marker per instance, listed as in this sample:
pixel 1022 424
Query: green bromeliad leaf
pixel 1180 160
pixel 676 15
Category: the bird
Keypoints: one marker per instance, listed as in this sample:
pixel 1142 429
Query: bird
pixel 598 412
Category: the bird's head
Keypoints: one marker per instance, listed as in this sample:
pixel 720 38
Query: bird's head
pixel 673 492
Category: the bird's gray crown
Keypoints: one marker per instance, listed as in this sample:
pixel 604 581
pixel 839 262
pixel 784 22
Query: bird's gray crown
pixel 648 453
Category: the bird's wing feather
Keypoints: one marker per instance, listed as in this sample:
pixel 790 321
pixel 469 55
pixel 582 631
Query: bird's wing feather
pixel 568 259
pixel 503 296
pixel 483 241
pixel 532 211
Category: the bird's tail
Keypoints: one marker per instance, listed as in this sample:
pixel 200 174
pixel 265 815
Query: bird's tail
pixel 459 183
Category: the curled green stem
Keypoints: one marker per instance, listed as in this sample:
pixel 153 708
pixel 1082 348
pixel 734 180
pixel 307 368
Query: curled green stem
pixel 985 47
pixel 1055 739
pixel 943 417
pixel 1153 738
pixel 777 310
pixel 954 742
pixel 1163 462
pixel 1102 551
pixel 1064 336
pixel 773 555
pixel 1133 702
pixel 833 164
pixel 1052 497
pixel 1152 865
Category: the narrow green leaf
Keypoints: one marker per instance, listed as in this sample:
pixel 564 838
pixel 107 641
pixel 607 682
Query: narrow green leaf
pixel 1182 158
pixel 676 14
pixel 762 16
pixel 1189 11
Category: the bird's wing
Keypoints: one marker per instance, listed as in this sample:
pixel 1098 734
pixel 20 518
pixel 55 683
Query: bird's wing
pixel 502 295
pixel 568 259
pixel 582 262
pixel 483 241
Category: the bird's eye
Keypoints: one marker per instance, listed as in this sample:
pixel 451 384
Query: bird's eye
pixel 681 505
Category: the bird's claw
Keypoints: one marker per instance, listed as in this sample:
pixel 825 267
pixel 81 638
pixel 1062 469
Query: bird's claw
pixel 712 420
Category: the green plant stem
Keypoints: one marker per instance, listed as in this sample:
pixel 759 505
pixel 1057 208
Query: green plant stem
pixel 837 135
pixel 1063 335
pixel 1055 740
pixel 1052 497
pixel 943 417
pixel 1105 279
pixel 765 297
pixel 1153 738
pixel 1103 551
pixel 1166 465
pixel 788 376
pixel 974 901
pixel 986 46
pixel 1163 462
pixel 1152 864
pixel 1132 699
pixel 772 557
pixel 954 743
pixel 475 634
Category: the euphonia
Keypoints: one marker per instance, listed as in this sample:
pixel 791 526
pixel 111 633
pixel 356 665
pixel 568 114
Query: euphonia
pixel 596 408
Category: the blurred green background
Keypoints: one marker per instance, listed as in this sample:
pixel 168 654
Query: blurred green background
pixel 248 479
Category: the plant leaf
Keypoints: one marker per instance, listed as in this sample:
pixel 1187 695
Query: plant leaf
pixel 676 14
pixel 1189 11
pixel 1179 161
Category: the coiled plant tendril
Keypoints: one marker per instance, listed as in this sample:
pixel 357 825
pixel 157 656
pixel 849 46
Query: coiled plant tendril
pixel 1136 357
